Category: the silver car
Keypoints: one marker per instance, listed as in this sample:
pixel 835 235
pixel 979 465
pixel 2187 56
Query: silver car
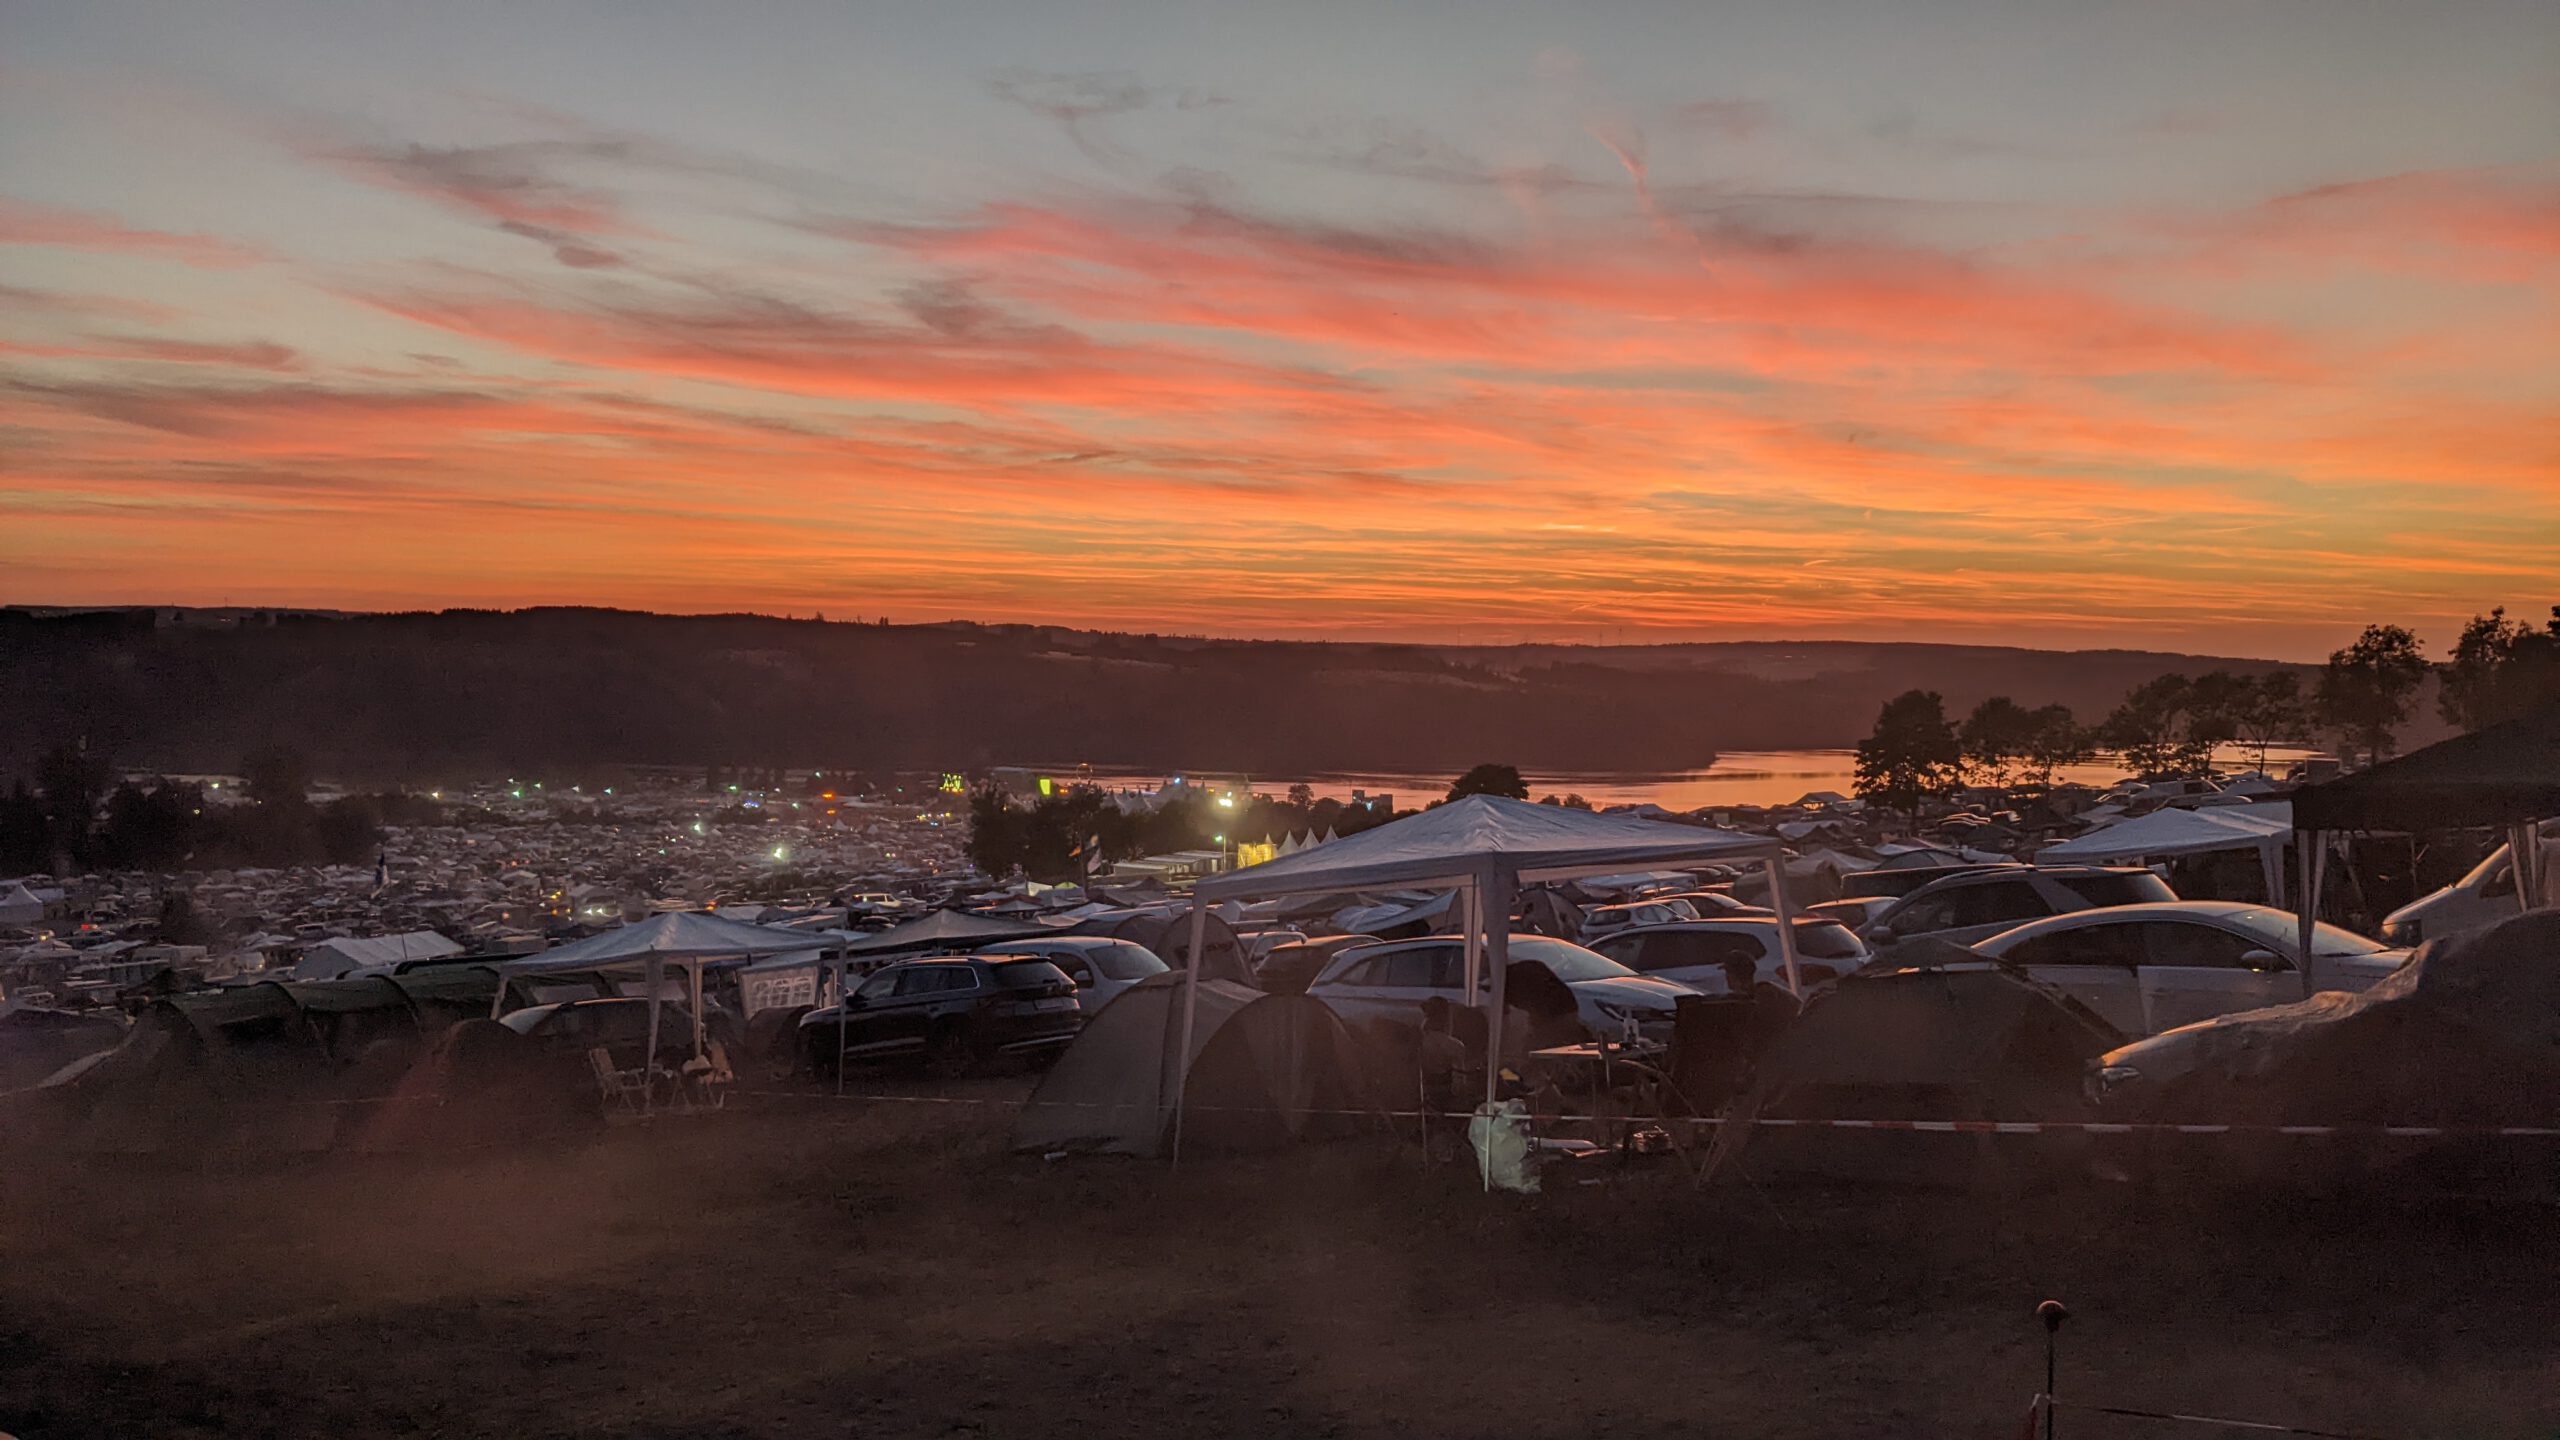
pixel 1391 982
pixel 2149 968
pixel 1978 904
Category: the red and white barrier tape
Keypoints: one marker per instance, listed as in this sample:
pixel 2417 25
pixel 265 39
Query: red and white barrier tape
pixel 1955 1127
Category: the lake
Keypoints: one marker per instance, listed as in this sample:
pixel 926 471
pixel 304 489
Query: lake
pixel 1743 777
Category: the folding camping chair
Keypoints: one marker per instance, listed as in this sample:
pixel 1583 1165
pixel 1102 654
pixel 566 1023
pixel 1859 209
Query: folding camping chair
pixel 629 1088
pixel 710 1077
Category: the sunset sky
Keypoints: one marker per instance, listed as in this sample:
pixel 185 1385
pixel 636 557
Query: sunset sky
pixel 2223 326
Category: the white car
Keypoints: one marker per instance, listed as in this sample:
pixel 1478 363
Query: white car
pixel 1602 920
pixel 2155 967
pixel 1101 966
pixel 2478 900
pixel 1390 982
pixel 1695 952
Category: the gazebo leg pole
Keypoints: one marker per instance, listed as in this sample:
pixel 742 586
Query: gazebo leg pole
pixel 2524 860
pixel 653 973
pixel 1785 908
pixel 1493 890
pixel 1190 1017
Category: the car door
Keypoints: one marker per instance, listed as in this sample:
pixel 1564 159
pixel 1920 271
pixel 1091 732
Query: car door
pixel 1414 975
pixel 1984 909
pixel 2194 971
pixel 1358 991
pixel 895 1020
pixel 2098 965
pixel 1696 958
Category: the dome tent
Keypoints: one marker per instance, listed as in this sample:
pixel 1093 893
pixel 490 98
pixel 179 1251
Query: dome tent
pixel 1262 1071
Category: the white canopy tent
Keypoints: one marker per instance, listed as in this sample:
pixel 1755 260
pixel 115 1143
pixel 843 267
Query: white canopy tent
pixel 1483 848
pixel 689 938
pixel 19 906
pixel 2166 834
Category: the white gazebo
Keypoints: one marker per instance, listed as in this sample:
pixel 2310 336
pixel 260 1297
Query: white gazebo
pixel 689 939
pixel 1484 847
pixel 2266 828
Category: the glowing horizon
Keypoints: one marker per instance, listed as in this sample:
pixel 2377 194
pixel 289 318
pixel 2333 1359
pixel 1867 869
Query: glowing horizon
pixel 2158 330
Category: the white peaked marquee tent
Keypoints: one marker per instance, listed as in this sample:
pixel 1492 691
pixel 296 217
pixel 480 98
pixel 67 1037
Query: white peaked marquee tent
pixel 689 939
pixel 2166 834
pixel 1484 848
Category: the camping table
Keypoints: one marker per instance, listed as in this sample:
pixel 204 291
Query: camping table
pixel 1593 1061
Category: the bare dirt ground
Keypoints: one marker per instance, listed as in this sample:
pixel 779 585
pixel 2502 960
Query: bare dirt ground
pixel 839 1269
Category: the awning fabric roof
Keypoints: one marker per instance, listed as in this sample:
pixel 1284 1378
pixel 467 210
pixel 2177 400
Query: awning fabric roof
pixel 941 928
pixel 2503 775
pixel 684 935
pixel 2165 833
pixel 1451 843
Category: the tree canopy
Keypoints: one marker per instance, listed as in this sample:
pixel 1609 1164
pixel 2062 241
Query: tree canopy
pixel 1913 753
pixel 1490 779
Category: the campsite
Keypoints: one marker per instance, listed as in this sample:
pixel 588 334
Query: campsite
pixel 644 1182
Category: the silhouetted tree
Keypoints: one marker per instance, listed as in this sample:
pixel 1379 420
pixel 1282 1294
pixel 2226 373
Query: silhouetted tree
pixel 2366 689
pixel 2151 727
pixel 277 775
pixel 26 839
pixel 2058 740
pixel 2273 712
pixel 151 828
pixel 2500 669
pixel 1912 753
pixel 1995 738
pixel 1490 779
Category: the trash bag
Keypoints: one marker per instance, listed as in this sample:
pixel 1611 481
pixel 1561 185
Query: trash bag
pixel 1500 1134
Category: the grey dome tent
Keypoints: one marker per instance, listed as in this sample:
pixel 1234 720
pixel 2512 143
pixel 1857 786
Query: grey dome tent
pixel 1168 934
pixel 1262 1071
pixel 1961 1039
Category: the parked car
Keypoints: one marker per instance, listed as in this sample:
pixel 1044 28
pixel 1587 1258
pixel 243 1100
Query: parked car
pixel 2149 968
pixel 620 1025
pixel 1289 968
pixel 1390 982
pixel 2476 901
pixel 1857 913
pixel 952 1014
pixel 1694 952
pixel 1978 904
pixel 1101 967
pixel 1602 920
pixel 1711 903
pixel 1895 881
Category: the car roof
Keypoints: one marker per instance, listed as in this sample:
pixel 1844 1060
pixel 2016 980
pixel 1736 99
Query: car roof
pixel 2145 910
pixel 1031 943
pixel 1992 874
pixel 1720 923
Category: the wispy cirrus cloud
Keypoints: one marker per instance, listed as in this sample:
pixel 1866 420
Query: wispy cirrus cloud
pixel 27 222
pixel 1077 102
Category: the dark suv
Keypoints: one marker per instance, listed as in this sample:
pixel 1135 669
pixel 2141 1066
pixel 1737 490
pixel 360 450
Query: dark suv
pixel 952 1014
pixel 1979 904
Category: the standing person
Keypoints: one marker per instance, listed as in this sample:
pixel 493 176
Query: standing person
pixel 1772 1008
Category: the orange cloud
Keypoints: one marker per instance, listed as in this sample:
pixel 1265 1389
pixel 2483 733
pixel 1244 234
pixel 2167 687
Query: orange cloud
pixel 24 222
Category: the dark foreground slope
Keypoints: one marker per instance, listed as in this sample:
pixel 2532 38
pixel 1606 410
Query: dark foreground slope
pixel 850 1270
pixel 398 695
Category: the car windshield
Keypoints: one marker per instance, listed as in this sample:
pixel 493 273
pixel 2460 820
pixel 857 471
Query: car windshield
pixel 1027 975
pixel 1123 960
pixel 2127 888
pixel 1570 962
pixel 2283 930
pixel 1826 940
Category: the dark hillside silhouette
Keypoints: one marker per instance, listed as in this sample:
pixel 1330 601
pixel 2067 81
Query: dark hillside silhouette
pixel 397 696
